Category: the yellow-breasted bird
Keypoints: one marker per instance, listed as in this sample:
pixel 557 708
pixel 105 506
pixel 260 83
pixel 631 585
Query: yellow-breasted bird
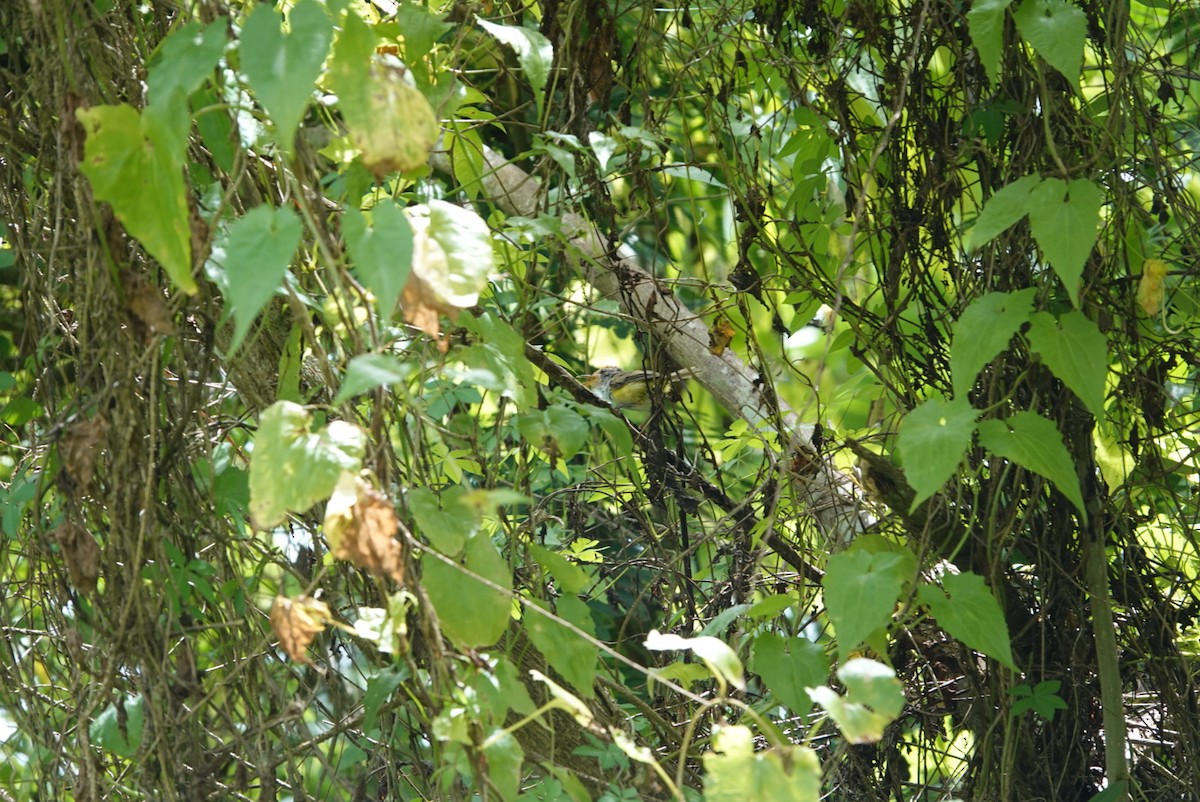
pixel 630 389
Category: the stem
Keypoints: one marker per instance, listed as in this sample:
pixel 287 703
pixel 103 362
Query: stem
pixel 1116 768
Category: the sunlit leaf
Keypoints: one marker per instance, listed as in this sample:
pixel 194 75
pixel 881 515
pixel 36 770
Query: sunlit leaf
pixel 735 771
pixel 296 622
pixel 135 163
pixel 874 699
pixel 534 52
pixel 360 525
pixel 292 468
pixel 721 660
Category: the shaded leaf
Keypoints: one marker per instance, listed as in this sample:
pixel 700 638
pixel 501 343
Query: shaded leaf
pixel 249 262
pixel 933 438
pixel 1057 30
pixel 368 371
pixel 565 651
pixel 534 52
pixel 1002 210
pixel 1063 219
pixel 296 622
pixel 1035 443
pixel 186 59
pixel 966 608
pixel 119 726
pixel 788 666
pixel 81 553
pixel 281 66
pixel 1075 349
pixel 381 248
pixel 983 332
pixel 361 525
pixel 861 592
pixel 985 21
pixel 472 613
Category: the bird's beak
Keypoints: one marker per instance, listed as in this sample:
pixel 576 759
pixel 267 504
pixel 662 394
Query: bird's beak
pixel 589 379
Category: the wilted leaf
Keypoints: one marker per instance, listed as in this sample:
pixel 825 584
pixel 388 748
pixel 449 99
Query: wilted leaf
pixel 147 305
pixel 720 335
pixel 360 525
pixel 297 621
pixel 81 553
pixel 1150 292
pixel 79 446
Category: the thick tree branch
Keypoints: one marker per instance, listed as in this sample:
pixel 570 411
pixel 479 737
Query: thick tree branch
pixel 832 495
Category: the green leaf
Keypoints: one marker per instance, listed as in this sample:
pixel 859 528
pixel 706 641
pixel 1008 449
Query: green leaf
pixel 1002 211
pixel 186 59
pixel 382 250
pixel 966 608
pixel 933 439
pixel 472 614
pixel 735 771
pixel 250 260
pixel 457 264
pixel 534 52
pixel 421 29
pixel 292 468
pixel 119 726
pixel 368 371
pixel 1075 349
pixel 135 163
pixel 504 758
pixel 984 331
pixel 788 666
pixel 1056 29
pixel 720 659
pixel 446 521
pixel 282 67
pixel 874 698
pixel 771 606
pixel 569 576
pixel 1063 219
pixel 559 431
pixel 861 591
pixel 985 21
pixel 1033 442
pixel 565 651
pixel 379 690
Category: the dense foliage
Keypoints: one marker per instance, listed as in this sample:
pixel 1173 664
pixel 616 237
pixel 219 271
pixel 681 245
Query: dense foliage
pixel 303 496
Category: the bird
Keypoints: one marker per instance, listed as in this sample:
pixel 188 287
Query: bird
pixel 630 389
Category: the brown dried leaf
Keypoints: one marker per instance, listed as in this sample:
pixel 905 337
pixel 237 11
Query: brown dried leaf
pixel 81 553
pixel 297 621
pixel 78 448
pixel 361 525
pixel 422 307
pixel 147 305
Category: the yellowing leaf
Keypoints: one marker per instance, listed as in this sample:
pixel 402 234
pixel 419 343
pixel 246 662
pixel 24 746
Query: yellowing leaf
pixel 1150 292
